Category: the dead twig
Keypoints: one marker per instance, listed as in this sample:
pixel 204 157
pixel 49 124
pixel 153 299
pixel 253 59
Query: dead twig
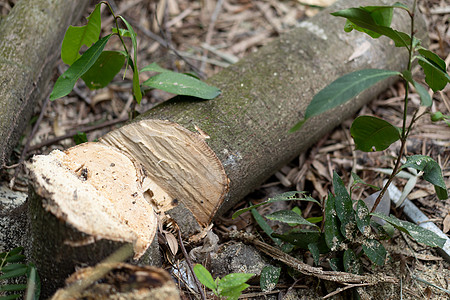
pixel 340 277
pixel 189 263
pixel 72 133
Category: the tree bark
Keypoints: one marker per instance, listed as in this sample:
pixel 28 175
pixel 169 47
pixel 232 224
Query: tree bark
pixel 30 39
pixel 198 158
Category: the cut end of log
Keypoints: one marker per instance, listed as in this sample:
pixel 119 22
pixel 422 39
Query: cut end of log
pixel 179 165
pixel 97 190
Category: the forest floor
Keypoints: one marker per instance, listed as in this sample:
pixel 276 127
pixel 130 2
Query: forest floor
pixel 207 36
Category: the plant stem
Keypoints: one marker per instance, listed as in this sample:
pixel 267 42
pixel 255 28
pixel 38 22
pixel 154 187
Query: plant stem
pixel 405 131
pixel 117 26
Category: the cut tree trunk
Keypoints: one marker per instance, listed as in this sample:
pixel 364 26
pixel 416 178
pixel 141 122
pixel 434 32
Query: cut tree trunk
pixel 192 160
pixel 30 39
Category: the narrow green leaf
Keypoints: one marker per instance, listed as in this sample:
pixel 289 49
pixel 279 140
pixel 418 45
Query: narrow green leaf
pixel 76 37
pixel 431 172
pixel 288 216
pixel 136 87
pixel 351 263
pixel 374 251
pixel 315 252
pixel 435 77
pixel 15 258
pixel 264 226
pixel 104 69
pixel 362 217
pixel 13 273
pixel 288 196
pixel 344 206
pixel 303 237
pixel 418 233
pixel 358 180
pixel 373 134
pixel 182 84
pixel 12 267
pixel 315 219
pixel 204 277
pixel 34 283
pixel 345 88
pixel 10 297
pixel 269 278
pixel 297 126
pixel 67 80
pixel 400 5
pixel 333 236
pixel 12 287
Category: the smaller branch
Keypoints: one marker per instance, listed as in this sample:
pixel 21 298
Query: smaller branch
pixel 72 133
pixel 189 263
pixel 339 290
pixel 340 277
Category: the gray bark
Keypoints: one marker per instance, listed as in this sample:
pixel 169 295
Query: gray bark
pixel 266 93
pixel 30 39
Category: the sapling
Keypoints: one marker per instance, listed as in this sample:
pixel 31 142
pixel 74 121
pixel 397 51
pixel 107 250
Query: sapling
pixel 348 226
pixel 97 67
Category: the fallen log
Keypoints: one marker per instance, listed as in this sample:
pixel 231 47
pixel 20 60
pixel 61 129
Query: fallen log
pixel 30 39
pixel 193 160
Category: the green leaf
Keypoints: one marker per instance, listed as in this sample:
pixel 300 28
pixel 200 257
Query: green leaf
pixel 205 277
pixel 136 87
pixel 303 237
pixel 269 278
pixel 351 263
pixel 435 77
pixel 233 293
pixel 123 32
pixel 288 216
pixel 13 273
pixel 358 180
pixel 400 5
pixel 67 80
pixel 264 226
pixel 288 196
pixel 12 267
pixel 431 172
pixel 333 236
pixel 34 282
pixel 336 264
pixel 10 297
pixel 375 23
pixel 362 217
pixel 433 58
pixel 80 138
pixel 15 258
pixel 373 134
pixel 374 251
pixel 233 281
pixel 425 98
pixel 418 233
pixel 12 287
pixel 182 84
pixel 344 206
pixel 104 69
pixel 76 37
pixel 315 252
pixel 315 219
pixel 154 67
pixel 345 88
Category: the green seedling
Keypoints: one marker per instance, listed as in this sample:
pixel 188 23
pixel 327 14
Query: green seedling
pixel 97 67
pixel 229 287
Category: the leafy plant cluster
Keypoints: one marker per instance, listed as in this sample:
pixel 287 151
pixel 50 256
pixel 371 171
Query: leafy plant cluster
pixel 12 267
pixel 97 67
pixel 346 230
pixel 229 287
